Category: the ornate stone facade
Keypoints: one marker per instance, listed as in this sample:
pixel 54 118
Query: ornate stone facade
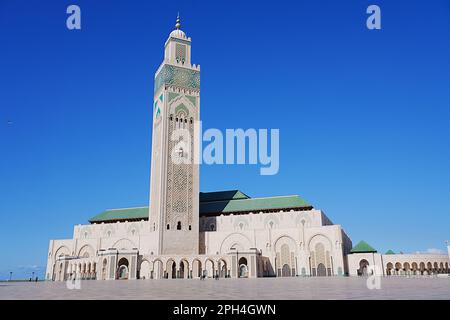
pixel 187 234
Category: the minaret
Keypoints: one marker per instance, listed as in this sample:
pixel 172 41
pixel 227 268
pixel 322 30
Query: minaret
pixel 174 182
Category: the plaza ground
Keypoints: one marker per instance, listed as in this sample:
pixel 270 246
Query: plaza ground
pixel 261 288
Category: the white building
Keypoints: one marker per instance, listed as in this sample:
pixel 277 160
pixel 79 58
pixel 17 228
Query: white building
pixel 187 234
pixel 363 260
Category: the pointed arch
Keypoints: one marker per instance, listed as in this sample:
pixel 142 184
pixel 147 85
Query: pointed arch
pixel 86 251
pixel 235 239
pixel 124 244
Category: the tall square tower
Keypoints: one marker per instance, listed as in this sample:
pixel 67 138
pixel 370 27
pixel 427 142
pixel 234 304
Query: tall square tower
pixel 174 182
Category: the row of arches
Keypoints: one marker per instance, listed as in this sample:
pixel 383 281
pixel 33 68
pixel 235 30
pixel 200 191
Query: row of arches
pixel 184 269
pixel 406 268
pixel 81 270
pixel 85 270
pixel 415 268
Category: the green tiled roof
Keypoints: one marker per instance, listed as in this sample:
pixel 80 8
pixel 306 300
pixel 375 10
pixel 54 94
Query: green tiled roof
pixel 222 195
pixel 390 252
pixel 253 204
pixel 362 247
pixel 213 203
pixel 121 214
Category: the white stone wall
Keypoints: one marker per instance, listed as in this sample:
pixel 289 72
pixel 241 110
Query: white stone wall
pixel 267 241
pixel 296 231
pixel 401 264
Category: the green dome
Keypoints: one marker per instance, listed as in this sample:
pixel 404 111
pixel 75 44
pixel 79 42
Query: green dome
pixel 363 247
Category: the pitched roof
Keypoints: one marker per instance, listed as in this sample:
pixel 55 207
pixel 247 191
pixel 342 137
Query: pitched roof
pixel 390 252
pixel 222 195
pixel 252 205
pixel 362 247
pixel 137 213
pixel 214 203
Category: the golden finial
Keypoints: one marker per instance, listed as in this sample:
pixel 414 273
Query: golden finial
pixel 178 24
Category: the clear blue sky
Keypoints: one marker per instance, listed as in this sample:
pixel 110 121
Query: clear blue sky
pixel 363 115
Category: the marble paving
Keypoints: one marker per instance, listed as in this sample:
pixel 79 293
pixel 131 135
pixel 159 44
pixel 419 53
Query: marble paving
pixel 223 289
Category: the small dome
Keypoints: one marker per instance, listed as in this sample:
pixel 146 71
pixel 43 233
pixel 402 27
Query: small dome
pixel 177 32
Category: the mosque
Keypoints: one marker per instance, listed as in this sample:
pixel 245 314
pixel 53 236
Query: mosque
pixel 185 233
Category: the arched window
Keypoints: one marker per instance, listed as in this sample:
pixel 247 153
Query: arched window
pixel 363 268
pixel 190 227
pixel 168 226
pixel 179 225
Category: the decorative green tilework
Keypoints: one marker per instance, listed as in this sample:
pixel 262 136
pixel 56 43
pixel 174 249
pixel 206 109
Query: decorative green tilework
pixel 183 108
pixel 156 107
pixel 181 77
pixel 172 96
pixel 192 99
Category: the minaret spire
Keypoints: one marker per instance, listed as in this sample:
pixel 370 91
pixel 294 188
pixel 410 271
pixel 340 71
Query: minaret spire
pixel 178 24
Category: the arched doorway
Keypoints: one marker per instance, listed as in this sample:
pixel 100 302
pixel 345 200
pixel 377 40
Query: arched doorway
pixel 429 268
pixel 222 267
pixel 398 268
pixel 171 269
pixel 243 268
pixel 286 271
pixel 122 270
pixel 209 268
pixel 321 270
pixel 422 268
pixel 158 270
pixel 285 261
pixel 389 268
pixel 196 268
pixel 184 269
pixel 363 264
pixel 414 268
pixel 144 271
pixel 406 268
